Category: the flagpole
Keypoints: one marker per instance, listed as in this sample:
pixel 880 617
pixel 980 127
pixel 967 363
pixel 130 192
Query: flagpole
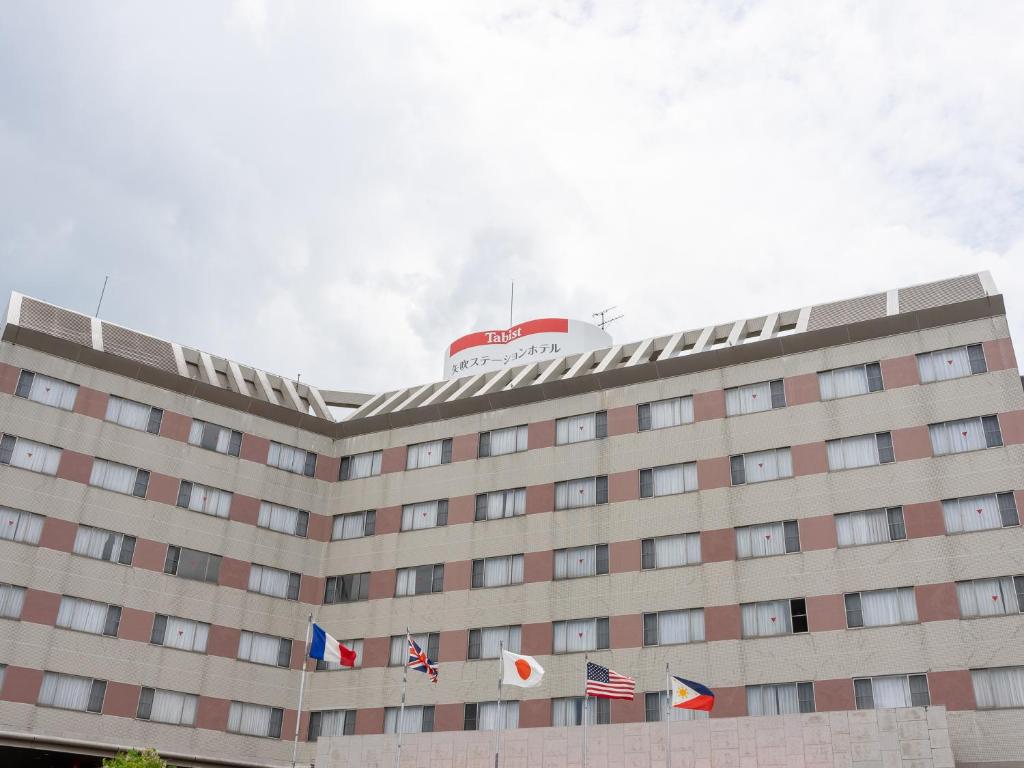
pixel 401 709
pixel 586 702
pixel 302 689
pixel 668 711
pixel 501 674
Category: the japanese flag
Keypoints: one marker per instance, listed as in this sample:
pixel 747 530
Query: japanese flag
pixel 522 671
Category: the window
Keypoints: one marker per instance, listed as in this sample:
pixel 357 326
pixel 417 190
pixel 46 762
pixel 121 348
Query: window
pixel 665 413
pixel 668 480
pixel 278 517
pixel 213 437
pixel 780 699
pixel 119 478
pixel 965 435
pixel 46 390
pixel 274 582
pixel 170 707
pixel 979 513
pixel 331 722
pixel 998 688
pixel 870 526
pixel 255 720
pixel 569 711
pixel 584 492
pixel 498 504
pixel 483 716
pixel 414 719
pixel 12 600
pixel 355 645
pixel 881 607
pixel 88 616
pixel 101 544
pixel 16 525
pixel 990 597
pixel 580 635
pixel 128 413
pixel 674 627
pixel 354 525
pixel 399 653
pixel 498 571
pixel 891 691
pixel 426 514
pixel 581 561
pixel 860 451
pixel 952 363
pixel 192 564
pixel 761 466
pixel 265 649
pixel 359 466
pixel 30 455
pixel 419 580
pixel 291 459
pixel 755 397
pixel 499 442
pixel 83 694
pixel 774 617
pixel 577 429
pixel 670 551
pixel 850 381
pixel 183 634
pixel 656 703
pixel 203 498
pixel 768 539
pixel 485 643
pixel 429 454
pixel 346 589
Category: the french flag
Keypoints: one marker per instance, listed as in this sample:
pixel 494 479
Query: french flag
pixel 687 694
pixel 327 648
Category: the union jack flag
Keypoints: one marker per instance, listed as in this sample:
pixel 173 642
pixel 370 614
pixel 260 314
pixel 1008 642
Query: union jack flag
pixel 419 661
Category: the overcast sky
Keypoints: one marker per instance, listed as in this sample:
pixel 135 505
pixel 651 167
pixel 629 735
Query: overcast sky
pixel 341 189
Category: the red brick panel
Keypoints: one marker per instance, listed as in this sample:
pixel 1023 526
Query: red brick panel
pixel 135 625
pixel 809 459
pixel 540 434
pixel 622 421
pixel 539 566
pixel 389 520
pixel 826 613
pixel 634 711
pixel 454 645
pixel 175 426
pixel 22 685
pixel 369 721
pixel 461 509
pixel 234 573
pixel 911 443
pixel 149 555
pixel 923 520
pixel 937 602
pixel 533 713
pixel 626 631
pixel 382 583
pixel 537 639
pixel 900 372
pixel 311 589
pixel 288 724
pixel 121 699
pixel 212 713
pixel 802 389
pixel 540 498
pixel 998 355
pixel 953 689
pixel 74 466
pixel 40 607
pixel 624 486
pixel 304 727
pixel 464 447
pixel 223 641
pixel 9 379
pixel 254 448
pixel 376 651
pixel 730 702
pixel 58 534
pixel 624 556
pixel 713 473
pixel 327 468
pixel 718 546
pixel 834 695
pixel 320 527
pixel 1011 424
pixel 392 460
pixel 709 405
pixel 449 717
pixel 163 488
pixel 458 575
pixel 722 622
pixel 817 533
pixel 90 402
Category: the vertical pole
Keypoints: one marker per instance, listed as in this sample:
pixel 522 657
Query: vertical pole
pixel 302 690
pixel 401 709
pixel 586 702
pixel 668 711
pixel 501 674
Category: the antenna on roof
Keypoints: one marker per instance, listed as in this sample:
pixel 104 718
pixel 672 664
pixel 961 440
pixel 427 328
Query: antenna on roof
pixel 102 291
pixel 603 320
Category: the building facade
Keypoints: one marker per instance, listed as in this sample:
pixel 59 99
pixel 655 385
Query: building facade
pixel 812 511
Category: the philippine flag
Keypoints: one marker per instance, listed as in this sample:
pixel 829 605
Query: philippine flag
pixel 327 648
pixel 687 694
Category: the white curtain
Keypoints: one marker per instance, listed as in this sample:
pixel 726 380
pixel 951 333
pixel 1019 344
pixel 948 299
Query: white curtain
pixel 173 707
pixel 987 597
pixel 412 720
pixel 212 501
pixel 576 429
pixel 354 645
pixel 681 626
pixel 112 476
pixel 278 517
pixel 350 526
pixel 843 382
pixel 48 391
pixel 83 615
pixel 672 412
pixel 65 691
pixel 332 722
pixel 999 687
pixel 867 527
pixel 492 637
pixel 500 571
pixel 268 581
pixel 249 719
pixel 365 465
pixel 682 549
pixel 852 452
pixel 675 714
pixel 780 699
pixel 575 635
pixel 768 465
pixel 506 503
pixel 128 413
pixel 287 458
pixel 883 607
pixel 418 516
pixel 761 540
pixel 944 364
pixel 12 600
pixel 676 478
pixel 510 440
pixel 253 646
pixel 400 648
pixel 972 513
pixel 957 436
pixel 98 543
pixel 195 436
pixel 20 526
pixel 576 562
pixel 487 715
pixel 570 494
pixel 749 399
pixel 35 456
pixel 569 711
pixel 424 454
pixel 405 583
pixel 768 618
pixel 188 635
pixel 890 691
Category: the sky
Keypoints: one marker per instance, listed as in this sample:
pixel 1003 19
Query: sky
pixel 339 190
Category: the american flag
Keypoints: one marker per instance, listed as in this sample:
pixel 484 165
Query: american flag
pixel 419 661
pixel 608 684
